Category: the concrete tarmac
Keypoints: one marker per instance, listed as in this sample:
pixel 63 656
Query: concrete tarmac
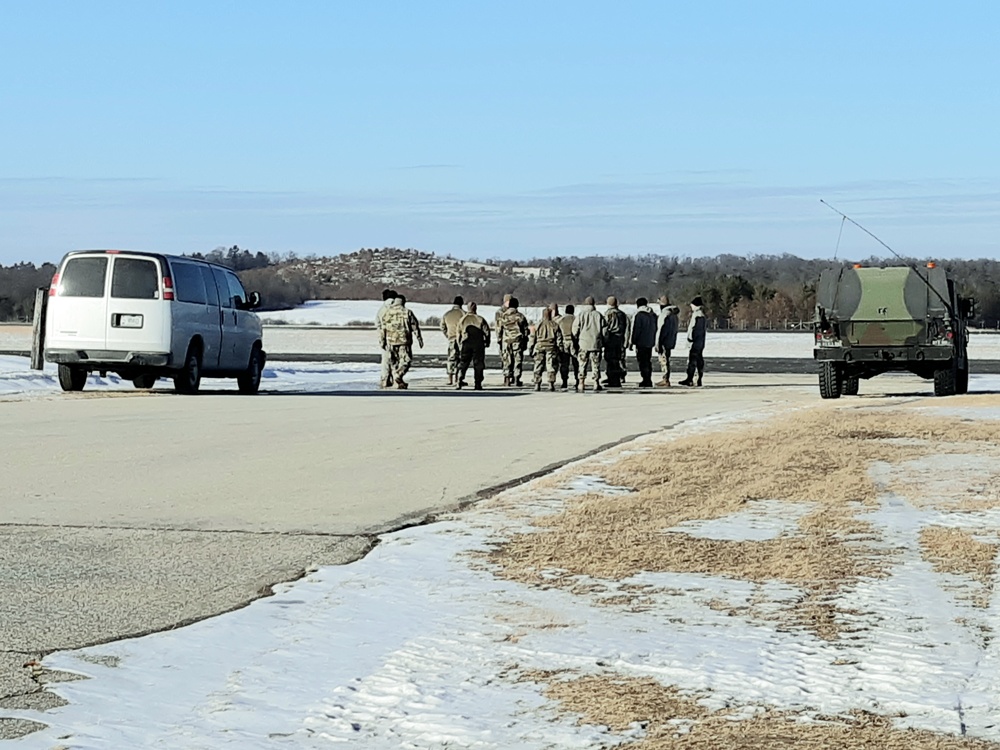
pixel 126 514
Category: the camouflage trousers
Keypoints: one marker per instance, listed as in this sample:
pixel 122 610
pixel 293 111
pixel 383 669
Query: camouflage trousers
pixel 454 355
pixel 568 360
pixel 665 364
pixel 513 360
pixel 590 361
pixel 400 357
pixel 546 361
pixel 385 378
pixel 476 357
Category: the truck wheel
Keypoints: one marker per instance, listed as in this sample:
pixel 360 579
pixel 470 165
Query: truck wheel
pixel 72 378
pixel 829 380
pixel 850 385
pixel 249 380
pixel 188 379
pixel 144 381
pixel 946 381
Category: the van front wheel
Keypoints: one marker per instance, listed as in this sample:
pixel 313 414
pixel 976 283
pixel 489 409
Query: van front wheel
pixel 72 378
pixel 188 379
pixel 249 380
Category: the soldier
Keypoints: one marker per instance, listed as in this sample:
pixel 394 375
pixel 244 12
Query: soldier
pixel 589 328
pixel 399 326
pixel 385 379
pixel 513 336
pixel 473 338
pixel 644 339
pixel 666 337
pixel 449 327
pixel 546 341
pixel 496 327
pixel 696 338
pixel 568 350
pixel 618 335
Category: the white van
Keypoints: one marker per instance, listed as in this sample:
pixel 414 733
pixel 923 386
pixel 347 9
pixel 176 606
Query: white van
pixel 146 315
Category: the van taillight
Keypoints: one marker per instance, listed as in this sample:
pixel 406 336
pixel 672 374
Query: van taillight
pixel 168 288
pixel 54 285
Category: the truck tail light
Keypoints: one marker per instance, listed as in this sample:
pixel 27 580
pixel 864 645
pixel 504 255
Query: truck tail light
pixel 54 286
pixel 168 288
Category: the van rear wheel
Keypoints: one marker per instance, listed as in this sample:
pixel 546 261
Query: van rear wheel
pixel 249 380
pixel 188 380
pixel 72 377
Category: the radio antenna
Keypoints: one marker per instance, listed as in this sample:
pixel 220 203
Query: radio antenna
pixel 913 268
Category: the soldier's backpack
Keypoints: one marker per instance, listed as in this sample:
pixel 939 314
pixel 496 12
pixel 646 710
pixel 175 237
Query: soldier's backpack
pixel 511 321
pixel 395 323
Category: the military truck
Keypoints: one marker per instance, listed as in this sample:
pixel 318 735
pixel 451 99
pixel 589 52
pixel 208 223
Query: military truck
pixel 901 318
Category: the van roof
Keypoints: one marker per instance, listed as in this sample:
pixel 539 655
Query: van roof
pixel 144 253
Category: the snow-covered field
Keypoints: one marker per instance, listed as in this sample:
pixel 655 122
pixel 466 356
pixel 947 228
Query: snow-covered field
pixel 419 645
pixel 17 380
pixel 288 338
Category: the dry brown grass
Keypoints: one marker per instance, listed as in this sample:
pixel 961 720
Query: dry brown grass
pixel 819 455
pixel 957 551
pixel 618 703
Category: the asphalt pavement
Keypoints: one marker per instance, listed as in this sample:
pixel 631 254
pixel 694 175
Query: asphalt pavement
pixel 123 514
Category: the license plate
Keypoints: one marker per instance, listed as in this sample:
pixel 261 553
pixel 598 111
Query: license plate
pixel 130 321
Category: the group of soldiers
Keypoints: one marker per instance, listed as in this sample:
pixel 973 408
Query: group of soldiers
pixel 582 340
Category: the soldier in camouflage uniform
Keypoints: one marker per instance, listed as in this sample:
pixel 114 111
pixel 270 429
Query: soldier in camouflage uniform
pixel 496 327
pixel 449 327
pixel 385 379
pixel 546 341
pixel 513 336
pixel 568 350
pixel 616 341
pixel 589 331
pixel 399 327
pixel 473 339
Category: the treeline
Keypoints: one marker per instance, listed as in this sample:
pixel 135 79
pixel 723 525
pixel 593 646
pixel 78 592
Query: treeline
pixel 17 289
pixel 743 289
pixel 280 287
pixel 768 289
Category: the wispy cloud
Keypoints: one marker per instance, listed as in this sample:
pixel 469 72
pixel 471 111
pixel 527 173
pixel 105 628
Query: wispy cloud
pixel 429 166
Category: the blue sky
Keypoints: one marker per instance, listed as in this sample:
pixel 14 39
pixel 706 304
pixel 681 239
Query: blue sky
pixel 499 129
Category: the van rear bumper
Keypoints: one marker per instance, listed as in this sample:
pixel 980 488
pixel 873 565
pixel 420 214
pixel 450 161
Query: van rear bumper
pixel 97 357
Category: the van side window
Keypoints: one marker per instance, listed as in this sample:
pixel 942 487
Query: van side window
pixel 236 291
pixel 134 278
pixel 83 277
pixel 189 286
pixel 225 299
pixel 209 278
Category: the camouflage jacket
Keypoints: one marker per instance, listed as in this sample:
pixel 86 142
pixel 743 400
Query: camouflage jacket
pixel 473 330
pixel 449 322
pixel 566 329
pixel 399 327
pixel 547 337
pixel 512 329
pixel 619 325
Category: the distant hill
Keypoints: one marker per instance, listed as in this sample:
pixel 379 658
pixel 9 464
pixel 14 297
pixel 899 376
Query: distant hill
pixel 421 275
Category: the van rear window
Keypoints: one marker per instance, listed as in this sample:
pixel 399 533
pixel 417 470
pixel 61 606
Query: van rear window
pixel 83 277
pixel 135 279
